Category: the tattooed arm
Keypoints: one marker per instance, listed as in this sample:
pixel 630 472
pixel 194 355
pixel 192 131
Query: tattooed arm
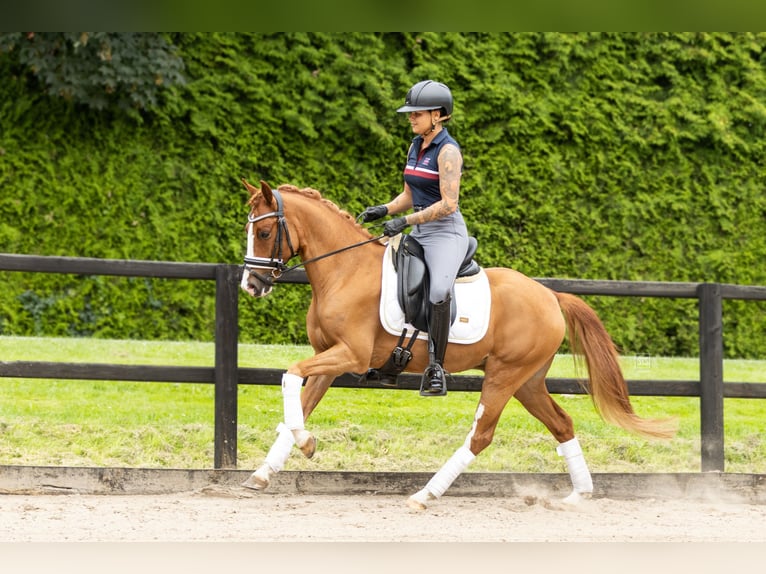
pixel 401 202
pixel 450 163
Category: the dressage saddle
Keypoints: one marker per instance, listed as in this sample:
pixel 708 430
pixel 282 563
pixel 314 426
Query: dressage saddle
pixel 412 294
pixel 412 280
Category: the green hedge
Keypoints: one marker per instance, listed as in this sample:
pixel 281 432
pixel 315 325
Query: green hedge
pixel 601 156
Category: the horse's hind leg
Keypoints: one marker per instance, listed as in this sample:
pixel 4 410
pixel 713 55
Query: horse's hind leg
pixel 535 398
pixel 297 406
pixel 495 394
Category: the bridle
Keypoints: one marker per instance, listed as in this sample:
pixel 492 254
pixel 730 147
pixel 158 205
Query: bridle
pixel 275 262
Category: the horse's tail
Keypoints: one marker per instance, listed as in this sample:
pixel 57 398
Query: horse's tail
pixel 589 339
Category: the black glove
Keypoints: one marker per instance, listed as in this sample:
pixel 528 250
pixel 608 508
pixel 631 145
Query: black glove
pixel 373 213
pixel 395 226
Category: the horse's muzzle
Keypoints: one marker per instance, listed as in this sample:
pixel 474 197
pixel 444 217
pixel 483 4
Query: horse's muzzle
pixel 256 284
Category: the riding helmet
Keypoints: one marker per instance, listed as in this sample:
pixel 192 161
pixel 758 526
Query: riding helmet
pixel 428 95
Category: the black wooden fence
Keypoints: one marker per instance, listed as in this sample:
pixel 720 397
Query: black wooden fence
pixel 227 375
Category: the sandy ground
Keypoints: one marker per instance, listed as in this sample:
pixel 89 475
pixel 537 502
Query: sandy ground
pixel 228 529
pixel 233 514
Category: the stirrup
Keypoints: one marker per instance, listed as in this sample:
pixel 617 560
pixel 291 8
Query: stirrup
pixel 433 383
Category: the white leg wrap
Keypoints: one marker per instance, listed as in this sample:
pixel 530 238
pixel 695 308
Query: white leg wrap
pixel 447 474
pixel 291 399
pixel 578 468
pixel 280 450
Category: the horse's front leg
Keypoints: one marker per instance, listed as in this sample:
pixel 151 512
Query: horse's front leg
pixel 321 370
pixel 297 407
pixel 288 431
pixel 315 389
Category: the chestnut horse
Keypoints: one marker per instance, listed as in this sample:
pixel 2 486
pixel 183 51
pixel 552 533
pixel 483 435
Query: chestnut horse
pixel 527 325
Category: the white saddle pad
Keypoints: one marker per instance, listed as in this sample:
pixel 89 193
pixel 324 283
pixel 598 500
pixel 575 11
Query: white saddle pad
pixel 471 295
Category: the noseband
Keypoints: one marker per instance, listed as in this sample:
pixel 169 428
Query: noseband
pixel 276 262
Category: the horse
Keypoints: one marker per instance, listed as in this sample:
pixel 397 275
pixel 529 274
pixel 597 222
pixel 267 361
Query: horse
pixel 527 325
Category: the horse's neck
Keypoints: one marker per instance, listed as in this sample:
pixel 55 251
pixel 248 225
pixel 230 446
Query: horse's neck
pixel 338 262
pixel 338 259
pixel 326 241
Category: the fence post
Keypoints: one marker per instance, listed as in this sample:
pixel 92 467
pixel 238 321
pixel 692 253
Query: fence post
pixel 226 365
pixel 711 376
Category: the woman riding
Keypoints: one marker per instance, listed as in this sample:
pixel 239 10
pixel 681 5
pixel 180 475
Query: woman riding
pixel 431 189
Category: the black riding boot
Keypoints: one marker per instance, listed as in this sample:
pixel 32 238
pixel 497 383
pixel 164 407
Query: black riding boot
pixel 434 381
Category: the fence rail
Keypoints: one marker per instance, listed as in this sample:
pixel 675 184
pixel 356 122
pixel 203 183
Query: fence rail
pixel 226 375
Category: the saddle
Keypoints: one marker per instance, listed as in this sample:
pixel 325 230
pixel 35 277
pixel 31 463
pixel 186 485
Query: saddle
pixel 412 294
pixel 412 279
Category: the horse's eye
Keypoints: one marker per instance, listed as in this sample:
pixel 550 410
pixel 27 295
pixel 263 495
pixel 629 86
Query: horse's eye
pixel 264 234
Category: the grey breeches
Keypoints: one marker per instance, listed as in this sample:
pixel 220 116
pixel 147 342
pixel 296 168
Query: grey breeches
pixel 445 242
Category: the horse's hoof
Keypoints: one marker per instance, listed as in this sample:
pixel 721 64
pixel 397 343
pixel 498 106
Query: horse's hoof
pixel 415 504
pixel 418 500
pixel 576 498
pixel 257 481
pixel 307 442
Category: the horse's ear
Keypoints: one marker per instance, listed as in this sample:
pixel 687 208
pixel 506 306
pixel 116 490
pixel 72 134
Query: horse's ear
pixel 251 188
pixel 266 191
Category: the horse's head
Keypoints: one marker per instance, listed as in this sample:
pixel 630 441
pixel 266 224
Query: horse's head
pixel 267 239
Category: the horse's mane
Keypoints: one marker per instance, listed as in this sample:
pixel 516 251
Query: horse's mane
pixel 314 194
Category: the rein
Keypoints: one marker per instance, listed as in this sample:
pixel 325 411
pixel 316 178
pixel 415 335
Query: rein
pixel 275 263
pixel 341 250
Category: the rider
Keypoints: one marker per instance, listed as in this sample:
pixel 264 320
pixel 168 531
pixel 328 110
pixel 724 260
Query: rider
pixel 431 188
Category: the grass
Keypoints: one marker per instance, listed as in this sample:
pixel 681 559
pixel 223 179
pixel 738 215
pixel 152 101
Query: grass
pixel 170 425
